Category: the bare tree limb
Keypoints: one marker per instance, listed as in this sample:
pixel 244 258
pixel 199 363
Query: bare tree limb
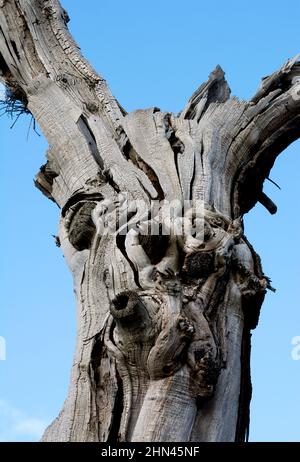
pixel 152 204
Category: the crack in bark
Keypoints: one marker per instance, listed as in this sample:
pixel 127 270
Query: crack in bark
pixel 192 180
pixel 85 129
pixel 120 242
pixel 243 420
pixel 176 144
pixel 130 154
pixel 117 412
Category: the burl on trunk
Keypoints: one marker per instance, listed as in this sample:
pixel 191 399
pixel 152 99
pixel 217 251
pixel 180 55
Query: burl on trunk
pixel 152 204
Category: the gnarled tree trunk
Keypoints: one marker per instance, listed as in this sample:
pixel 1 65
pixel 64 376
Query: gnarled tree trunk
pixel 152 206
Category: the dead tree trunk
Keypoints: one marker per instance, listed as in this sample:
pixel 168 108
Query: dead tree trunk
pixel 164 316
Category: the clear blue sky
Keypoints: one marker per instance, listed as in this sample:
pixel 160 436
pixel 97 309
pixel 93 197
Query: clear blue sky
pixel 151 53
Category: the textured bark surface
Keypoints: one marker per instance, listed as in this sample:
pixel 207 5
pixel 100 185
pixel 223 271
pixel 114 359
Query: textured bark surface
pixel 164 318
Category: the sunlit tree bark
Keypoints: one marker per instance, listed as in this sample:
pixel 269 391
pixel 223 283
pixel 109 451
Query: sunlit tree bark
pixel 152 204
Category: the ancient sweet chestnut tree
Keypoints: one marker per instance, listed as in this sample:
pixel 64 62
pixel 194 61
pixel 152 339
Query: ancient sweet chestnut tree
pixel 151 225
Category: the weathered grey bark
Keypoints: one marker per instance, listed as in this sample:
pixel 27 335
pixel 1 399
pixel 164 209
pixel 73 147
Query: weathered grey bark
pixel 164 321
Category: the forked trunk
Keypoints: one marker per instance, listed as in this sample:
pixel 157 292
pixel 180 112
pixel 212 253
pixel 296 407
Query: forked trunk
pixel 152 206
